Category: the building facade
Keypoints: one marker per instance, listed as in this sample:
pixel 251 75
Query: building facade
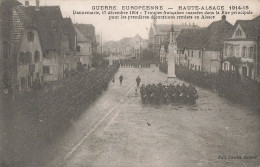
pixel 57 39
pixel 241 49
pixel 84 49
pixel 159 34
pixel 205 49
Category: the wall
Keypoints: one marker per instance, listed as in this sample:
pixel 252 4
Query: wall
pixel 66 55
pixel 237 46
pixel 211 62
pixel 53 62
pixel 85 54
pixel 195 60
pixel 29 46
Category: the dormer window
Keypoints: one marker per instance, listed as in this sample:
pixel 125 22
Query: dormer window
pixel 238 33
pixel 30 36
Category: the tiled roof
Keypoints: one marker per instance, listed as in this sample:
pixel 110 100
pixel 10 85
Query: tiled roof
pixel 69 29
pixel 50 22
pixel 186 36
pixel 88 30
pixel 257 18
pixel 80 36
pixel 6 10
pixel 250 27
pixel 10 4
pixel 213 37
pixel 166 28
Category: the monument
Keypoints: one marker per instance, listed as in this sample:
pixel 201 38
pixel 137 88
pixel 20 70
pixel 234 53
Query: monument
pixel 172 54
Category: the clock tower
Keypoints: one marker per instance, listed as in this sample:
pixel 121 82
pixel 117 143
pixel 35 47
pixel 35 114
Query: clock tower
pixel 172 54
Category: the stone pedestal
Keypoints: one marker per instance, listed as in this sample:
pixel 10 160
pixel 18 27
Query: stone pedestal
pixel 171 67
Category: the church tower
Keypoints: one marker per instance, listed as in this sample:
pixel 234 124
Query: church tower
pixel 172 54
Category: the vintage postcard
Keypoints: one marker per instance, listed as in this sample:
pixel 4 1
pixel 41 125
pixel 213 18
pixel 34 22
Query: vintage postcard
pixel 129 83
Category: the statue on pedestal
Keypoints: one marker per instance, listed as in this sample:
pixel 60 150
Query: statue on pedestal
pixel 172 54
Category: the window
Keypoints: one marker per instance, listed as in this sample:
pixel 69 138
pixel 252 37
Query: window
pixel 237 51
pixel 23 83
pixel 46 69
pixel 22 58
pixel 225 50
pixel 5 49
pixel 228 50
pixel 238 33
pixel 29 81
pixel 25 58
pixel 195 67
pixel 231 50
pixel 199 54
pixel 30 36
pixel 251 52
pixel 78 48
pixel 38 75
pixel 244 51
pixel 191 53
pixel 36 56
pixel 199 68
pixel 47 55
pixel 28 57
pixel 225 66
pixel 6 79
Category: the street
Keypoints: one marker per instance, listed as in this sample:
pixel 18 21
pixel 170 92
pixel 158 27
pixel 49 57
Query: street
pixel 118 130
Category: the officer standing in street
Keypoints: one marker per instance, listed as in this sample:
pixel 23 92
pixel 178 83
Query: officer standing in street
pixel 138 80
pixel 121 79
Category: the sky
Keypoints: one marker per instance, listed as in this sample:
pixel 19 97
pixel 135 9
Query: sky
pixel 117 29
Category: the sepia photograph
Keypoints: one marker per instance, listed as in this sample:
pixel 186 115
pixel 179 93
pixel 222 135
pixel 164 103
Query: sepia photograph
pixel 129 83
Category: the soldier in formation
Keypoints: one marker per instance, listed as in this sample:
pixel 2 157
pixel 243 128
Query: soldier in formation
pixel 128 63
pixel 161 94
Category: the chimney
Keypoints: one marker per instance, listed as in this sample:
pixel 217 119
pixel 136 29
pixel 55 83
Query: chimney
pixel 224 17
pixel 37 5
pixel 27 3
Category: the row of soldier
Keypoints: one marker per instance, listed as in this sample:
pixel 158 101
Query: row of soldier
pixel 131 64
pixel 158 94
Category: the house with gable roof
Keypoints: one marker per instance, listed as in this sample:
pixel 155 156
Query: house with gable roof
pixel 204 52
pixel 57 39
pixel 241 49
pixel 42 45
pixel 84 48
pixel 160 33
pixel 26 50
pixel 183 40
